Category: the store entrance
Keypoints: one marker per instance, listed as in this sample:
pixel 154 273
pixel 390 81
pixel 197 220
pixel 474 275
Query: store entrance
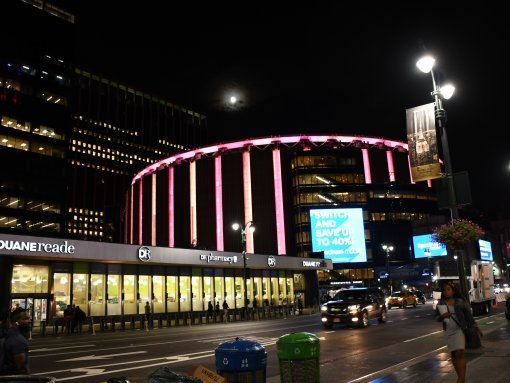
pixel 37 308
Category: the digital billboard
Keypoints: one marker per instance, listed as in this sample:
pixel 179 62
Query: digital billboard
pixel 485 250
pixel 425 243
pixel 339 233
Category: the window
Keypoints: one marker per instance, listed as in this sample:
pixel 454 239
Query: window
pixel 29 279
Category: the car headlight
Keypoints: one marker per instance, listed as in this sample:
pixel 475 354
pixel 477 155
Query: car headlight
pixel 324 308
pixel 353 308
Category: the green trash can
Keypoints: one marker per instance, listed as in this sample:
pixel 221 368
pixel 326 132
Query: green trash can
pixel 298 357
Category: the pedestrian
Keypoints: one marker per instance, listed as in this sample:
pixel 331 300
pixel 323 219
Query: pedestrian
pixel 68 316
pixel 225 311
pixel 217 309
pixel 300 306
pixel 210 310
pixel 16 344
pixel 78 317
pixel 456 315
pixel 147 313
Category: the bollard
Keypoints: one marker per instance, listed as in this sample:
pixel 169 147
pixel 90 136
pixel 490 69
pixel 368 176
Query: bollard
pixel 122 323
pixel 132 321
pixel 298 357
pixel 241 361
pixel 92 325
pixel 113 323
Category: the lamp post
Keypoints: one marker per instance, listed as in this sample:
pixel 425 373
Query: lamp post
pixel 388 249
pixel 427 254
pixel 426 64
pixel 247 226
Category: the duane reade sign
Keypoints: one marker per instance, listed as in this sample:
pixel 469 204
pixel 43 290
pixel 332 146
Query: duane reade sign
pixel 41 247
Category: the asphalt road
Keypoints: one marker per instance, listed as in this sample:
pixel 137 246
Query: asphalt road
pixel 408 335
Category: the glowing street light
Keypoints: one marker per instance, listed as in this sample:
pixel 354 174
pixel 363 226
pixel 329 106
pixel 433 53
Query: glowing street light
pixel 247 226
pixel 426 64
pixel 388 249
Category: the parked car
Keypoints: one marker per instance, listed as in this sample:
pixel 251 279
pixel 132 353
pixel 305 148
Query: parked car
pixel 420 296
pixel 401 299
pixel 354 306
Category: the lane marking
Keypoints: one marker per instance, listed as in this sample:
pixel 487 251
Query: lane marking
pixel 98 357
pixel 423 336
pixel 398 366
pixel 60 348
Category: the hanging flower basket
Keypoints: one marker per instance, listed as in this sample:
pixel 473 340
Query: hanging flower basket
pixel 457 234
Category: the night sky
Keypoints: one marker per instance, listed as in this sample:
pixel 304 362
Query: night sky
pixel 319 70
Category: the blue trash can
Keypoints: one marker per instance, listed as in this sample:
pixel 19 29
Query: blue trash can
pixel 241 361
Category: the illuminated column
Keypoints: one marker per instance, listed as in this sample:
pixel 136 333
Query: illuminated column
pixel 429 183
pixel 126 221
pixel 391 168
pixel 410 172
pixel 131 223
pixel 153 215
pixel 248 215
pixel 278 201
pixel 366 166
pixel 218 193
pixel 193 202
pixel 140 212
pixel 171 213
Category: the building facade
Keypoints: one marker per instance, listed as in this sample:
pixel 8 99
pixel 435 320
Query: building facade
pixel 73 140
pixel 46 275
pixel 190 200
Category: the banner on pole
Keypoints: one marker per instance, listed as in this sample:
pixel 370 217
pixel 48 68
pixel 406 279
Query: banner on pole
pixel 422 143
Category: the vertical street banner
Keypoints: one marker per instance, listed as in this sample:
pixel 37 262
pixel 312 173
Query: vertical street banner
pixel 422 143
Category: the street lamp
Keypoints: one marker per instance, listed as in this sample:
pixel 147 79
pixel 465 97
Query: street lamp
pixel 427 254
pixel 247 226
pixel 388 249
pixel 426 64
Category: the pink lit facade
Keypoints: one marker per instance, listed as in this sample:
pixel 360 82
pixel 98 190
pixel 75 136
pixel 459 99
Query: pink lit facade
pixel 191 200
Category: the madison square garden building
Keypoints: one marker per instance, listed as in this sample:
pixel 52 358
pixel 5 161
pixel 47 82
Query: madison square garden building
pixel 321 207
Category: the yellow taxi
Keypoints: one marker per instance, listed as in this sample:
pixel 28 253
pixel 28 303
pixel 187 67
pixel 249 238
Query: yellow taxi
pixel 401 299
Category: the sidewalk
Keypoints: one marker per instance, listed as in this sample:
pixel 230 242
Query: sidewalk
pixel 488 364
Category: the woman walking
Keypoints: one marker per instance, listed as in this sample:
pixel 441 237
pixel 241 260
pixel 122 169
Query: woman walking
pixel 456 315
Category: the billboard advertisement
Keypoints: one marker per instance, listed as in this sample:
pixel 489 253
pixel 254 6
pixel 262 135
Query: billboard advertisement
pixel 339 233
pixel 422 143
pixel 422 244
pixel 485 250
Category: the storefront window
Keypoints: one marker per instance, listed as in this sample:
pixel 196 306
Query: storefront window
pixel 218 289
pixel 290 290
pixel 129 295
pixel 208 293
pixel 61 292
pixel 158 287
pixel 185 293
pixel 171 290
pixel 239 287
pixel 196 288
pixel 282 290
pixel 80 291
pixel 144 292
pixel 114 306
pixel 97 295
pixel 29 279
pixel 275 295
pixel 229 291
pixel 257 291
pixel 266 293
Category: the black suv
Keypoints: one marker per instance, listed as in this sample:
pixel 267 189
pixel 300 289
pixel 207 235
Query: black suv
pixel 354 306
